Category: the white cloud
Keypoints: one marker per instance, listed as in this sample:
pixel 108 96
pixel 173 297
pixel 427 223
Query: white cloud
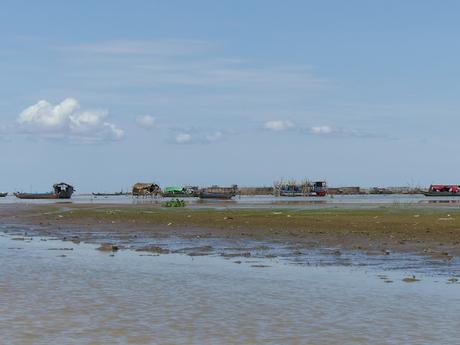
pixel 197 136
pixel 214 136
pixel 322 130
pixel 278 125
pixel 66 120
pixel 127 47
pixel 146 121
pixel 183 138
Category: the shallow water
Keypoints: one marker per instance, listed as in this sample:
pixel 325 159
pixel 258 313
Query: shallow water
pixel 261 201
pixel 49 295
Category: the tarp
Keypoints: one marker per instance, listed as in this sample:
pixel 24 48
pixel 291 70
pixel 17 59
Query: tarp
pixel 444 187
pixel 173 189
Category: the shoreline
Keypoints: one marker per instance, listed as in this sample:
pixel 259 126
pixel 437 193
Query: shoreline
pixel 430 232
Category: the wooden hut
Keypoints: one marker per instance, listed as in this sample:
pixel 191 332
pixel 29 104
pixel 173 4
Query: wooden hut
pixel 146 189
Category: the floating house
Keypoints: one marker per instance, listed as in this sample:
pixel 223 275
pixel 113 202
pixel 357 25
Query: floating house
pixel 146 189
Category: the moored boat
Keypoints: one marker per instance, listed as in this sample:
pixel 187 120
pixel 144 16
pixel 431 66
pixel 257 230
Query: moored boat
pixel 216 192
pixel 60 191
pixel 111 194
pixel 178 191
pixel 306 189
pixel 2 195
pixel 443 190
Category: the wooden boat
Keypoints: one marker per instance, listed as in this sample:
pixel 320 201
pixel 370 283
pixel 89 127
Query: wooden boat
pixel 440 194
pixel 443 190
pixel 215 192
pixel 60 191
pixel 2 195
pixel 318 188
pixel 110 194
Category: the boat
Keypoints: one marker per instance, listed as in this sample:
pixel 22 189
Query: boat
pixel 183 192
pixel 318 188
pixel 2 195
pixel 111 194
pixel 60 191
pixel 215 192
pixel 443 190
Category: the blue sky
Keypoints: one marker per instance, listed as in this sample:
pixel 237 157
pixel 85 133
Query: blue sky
pixel 104 94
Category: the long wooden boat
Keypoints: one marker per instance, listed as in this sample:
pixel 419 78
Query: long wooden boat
pixel 441 194
pixel 215 192
pixel 111 194
pixel 2 195
pixel 37 196
pixel 60 191
pixel 210 195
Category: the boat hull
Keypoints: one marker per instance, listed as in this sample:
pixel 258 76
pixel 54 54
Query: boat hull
pixel 177 195
pixel 2 195
pixel 47 196
pixel 225 196
pixel 297 194
pixel 435 194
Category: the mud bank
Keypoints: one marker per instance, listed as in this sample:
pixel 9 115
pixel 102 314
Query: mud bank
pixel 432 232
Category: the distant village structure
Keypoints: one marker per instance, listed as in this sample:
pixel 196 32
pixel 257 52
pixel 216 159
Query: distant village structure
pixel 146 189
pixel 280 188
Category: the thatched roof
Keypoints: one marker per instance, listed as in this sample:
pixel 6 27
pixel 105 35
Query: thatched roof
pixel 146 189
pixel 141 185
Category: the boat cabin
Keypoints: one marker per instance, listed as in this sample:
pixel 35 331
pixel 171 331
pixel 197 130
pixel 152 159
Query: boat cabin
pixel 63 190
pixel 444 188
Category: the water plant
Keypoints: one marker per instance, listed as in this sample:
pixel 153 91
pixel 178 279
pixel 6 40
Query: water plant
pixel 174 203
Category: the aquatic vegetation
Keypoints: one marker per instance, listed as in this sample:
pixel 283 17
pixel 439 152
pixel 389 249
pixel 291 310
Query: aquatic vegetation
pixel 174 203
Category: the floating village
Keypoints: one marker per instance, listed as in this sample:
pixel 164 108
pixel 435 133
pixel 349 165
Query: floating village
pixel 281 188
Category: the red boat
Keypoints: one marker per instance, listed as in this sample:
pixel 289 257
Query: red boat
pixel 443 190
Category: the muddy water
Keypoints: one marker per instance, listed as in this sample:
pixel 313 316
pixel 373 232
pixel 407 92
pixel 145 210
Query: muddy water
pixel 54 292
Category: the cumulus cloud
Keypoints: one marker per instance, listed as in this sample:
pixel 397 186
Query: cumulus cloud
pixel 68 120
pixel 183 138
pixel 278 125
pixel 322 130
pixel 145 121
pixel 198 137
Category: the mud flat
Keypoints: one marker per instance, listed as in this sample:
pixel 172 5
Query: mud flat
pixel 431 232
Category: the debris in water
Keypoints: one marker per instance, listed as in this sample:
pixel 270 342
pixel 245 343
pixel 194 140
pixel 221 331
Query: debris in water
pixel 108 247
pixel 410 279
pixel 154 249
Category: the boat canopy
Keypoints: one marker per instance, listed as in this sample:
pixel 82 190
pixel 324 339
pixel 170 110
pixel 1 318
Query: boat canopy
pixel 444 188
pixel 174 189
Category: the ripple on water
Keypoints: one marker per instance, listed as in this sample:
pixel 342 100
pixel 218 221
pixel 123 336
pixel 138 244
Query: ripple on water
pixel 92 297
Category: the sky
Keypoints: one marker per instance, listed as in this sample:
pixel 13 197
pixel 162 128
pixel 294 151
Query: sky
pixel 103 94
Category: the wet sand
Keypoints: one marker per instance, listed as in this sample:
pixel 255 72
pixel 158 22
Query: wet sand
pixel 433 232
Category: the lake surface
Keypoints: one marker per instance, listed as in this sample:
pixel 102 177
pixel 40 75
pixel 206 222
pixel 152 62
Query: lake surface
pixel 261 201
pixel 54 292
